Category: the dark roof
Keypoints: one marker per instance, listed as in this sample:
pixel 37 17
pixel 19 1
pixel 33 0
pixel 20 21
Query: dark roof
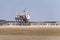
pixel 2 20
pixel 50 22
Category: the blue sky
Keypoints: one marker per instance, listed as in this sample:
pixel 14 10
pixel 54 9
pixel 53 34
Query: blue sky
pixel 39 10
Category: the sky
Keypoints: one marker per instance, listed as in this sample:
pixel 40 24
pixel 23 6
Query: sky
pixel 39 10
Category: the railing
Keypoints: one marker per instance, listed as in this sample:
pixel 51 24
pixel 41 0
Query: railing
pixel 46 24
pixel 32 23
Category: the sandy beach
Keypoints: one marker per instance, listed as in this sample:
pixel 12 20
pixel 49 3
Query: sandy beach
pixel 27 37
pixel 29 32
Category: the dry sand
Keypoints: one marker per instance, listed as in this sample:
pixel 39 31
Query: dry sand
pixel 29 32
pixel 28 37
